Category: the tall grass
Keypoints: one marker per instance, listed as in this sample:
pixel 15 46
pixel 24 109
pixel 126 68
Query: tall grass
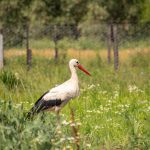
pixel 112 111
pixel 66 43
pixel 85 42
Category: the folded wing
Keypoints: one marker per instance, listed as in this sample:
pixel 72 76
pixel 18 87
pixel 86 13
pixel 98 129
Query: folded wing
pixel 43 104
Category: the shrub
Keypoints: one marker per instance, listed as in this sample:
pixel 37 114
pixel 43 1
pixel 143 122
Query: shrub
pixel 10 79
pixel 19 133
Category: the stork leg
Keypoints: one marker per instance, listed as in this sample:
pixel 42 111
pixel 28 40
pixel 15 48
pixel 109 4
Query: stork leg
pixel 58 128
pixel 58 116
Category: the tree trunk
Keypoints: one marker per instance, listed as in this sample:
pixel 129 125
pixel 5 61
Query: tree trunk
pixel 29 58
pixel 29 51
pixel 1 51
pixel 56 39
pixel 76 31
pixel 109 43
pixel 115 47
pixel 56 51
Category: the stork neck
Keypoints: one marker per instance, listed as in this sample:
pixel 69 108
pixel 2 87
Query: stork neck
pixel 73 73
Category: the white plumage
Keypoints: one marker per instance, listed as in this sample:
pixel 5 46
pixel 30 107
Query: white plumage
pixel 58 96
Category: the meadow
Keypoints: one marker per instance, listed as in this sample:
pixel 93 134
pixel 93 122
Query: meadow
pixel 112 112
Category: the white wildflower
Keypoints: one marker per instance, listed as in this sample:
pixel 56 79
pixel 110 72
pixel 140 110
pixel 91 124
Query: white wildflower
pixel 88 111
pixel 72 124
pixel 116 125
pixel 88 145
pixel 116 94
pixel 127 105
pixel 108 104
pixel 17 105
pixel 68 146
pixel 101 107
pixel 104 92
pixel 71 138
pixel 79 123
pixel 65 122
pixel 59 131
pixel 62 139
pixel 134 88
pixel 91 86
pixel 109 101
pixel 98 84
pixel 17 75
pixel 97 127
pixel 52 140
pixel 118 113
pixel 109 119
pixel 98 112
pixel 106 109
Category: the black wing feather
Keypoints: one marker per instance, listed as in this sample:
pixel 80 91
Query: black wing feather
pixel 46 104
pixel 41 97
pixel 42 104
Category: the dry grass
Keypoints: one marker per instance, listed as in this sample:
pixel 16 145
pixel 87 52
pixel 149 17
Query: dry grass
pixel 86 54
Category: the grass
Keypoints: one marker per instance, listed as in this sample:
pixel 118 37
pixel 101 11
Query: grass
pixel 112 111
pixel 66 43
pixel 86 43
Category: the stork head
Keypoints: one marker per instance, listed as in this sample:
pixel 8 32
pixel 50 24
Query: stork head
pixel 75 63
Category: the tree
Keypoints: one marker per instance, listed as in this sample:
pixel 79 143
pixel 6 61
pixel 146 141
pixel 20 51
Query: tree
pixel 61 16
pixel 51 14
pixel 15 20
pixel 145 15
pixel 1 50
pixel 76 12
pixel 119 12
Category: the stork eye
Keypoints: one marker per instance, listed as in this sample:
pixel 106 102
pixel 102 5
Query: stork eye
pixel 77 62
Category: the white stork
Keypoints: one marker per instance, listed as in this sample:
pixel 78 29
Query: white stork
pixel 57 97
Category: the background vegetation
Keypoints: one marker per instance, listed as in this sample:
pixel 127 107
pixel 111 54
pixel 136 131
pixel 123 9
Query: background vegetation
pixel 113 109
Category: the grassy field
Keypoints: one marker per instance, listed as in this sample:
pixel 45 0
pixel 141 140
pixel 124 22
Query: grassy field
pixel 112 112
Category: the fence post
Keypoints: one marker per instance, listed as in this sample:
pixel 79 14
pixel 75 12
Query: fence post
pixel 55 39
pixel 1 51
pixel 28 50
pixel 109 43
pixel 115 47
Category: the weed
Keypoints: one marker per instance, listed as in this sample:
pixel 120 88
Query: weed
pixel 10 79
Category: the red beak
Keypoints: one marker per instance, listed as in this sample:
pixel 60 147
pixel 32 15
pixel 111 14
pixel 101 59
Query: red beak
pixel 84 70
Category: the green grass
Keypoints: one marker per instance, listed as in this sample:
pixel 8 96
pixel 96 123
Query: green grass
pixel 83 43
pixel 113 108
pixel 66 43
pixel 134 43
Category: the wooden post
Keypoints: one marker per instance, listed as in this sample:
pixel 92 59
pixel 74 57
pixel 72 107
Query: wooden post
pixel 115 47
pixel 55 39
pixel 114 40
pixel 29 51
pixel 1 51
pixel 56 51
pixel 109 43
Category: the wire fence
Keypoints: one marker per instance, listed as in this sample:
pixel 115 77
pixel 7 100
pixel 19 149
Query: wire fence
pixel 65 36
pixel 126 33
